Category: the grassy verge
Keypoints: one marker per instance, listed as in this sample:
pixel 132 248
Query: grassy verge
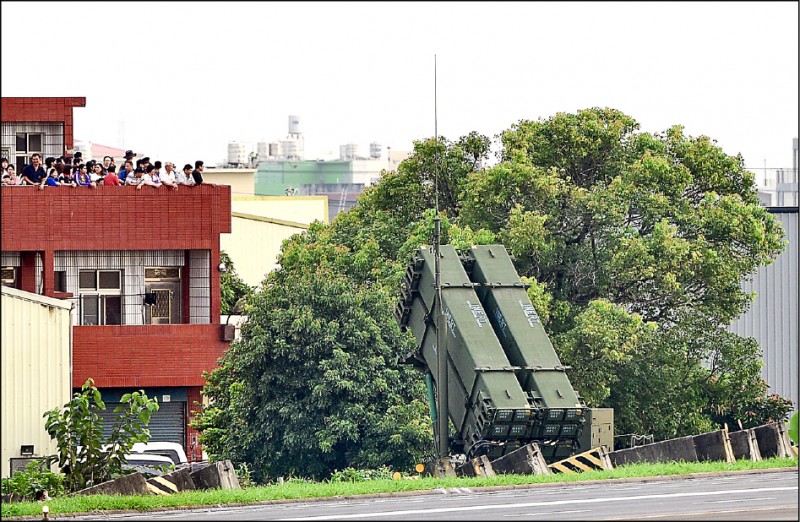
pixel 305 490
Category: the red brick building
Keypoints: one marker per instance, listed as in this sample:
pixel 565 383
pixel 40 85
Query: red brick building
pixel 141 268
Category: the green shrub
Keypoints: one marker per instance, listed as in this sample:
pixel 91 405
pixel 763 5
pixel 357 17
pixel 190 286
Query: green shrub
pixel 85 455
pixel 361 475
pixel 36 476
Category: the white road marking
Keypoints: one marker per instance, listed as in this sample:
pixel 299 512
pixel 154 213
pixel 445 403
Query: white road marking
pixel 699 514
pixel 739 500
pixel 427 511
pixel 549 513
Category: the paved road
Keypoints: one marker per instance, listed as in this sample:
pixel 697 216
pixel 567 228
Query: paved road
pixel 751 496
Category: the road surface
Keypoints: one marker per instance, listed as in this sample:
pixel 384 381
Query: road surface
pixel 750 496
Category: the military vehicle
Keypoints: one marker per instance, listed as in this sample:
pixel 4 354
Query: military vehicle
pixel 506 386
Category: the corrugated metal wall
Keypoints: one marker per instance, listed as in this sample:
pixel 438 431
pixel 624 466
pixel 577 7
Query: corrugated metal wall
pixel 168 424
pixel 773 318
pixel 36 369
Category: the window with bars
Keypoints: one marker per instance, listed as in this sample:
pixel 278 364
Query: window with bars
pixel 100 297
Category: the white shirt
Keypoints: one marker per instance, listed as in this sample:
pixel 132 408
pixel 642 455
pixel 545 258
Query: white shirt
pixel 168 178
pixel 152 179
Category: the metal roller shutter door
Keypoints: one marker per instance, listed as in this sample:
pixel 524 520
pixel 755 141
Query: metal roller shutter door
pixel 166 425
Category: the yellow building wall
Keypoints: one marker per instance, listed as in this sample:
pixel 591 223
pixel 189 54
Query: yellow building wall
pixel 36 341
pixel 299 209
pixel 254 244
pixel 241 181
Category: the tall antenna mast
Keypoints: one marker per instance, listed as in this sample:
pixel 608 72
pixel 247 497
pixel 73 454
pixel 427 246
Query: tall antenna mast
pixel 443 446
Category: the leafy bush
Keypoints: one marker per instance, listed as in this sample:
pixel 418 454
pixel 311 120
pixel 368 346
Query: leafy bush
pixel 84 455
pixel 35 477
pixel 244 474
pixel 350 474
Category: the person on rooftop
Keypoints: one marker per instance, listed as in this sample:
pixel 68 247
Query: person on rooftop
pixel 82 178
pixel 136 178
pixel 151 177
pixel 67 179
pixel 10 177
pixel 185 176
pixel 197 173
pixel 168 176
pixel 33 173
pixel 127 168
pixel 96 173
pixel 111 178
pixel 51 180
pixel 107 162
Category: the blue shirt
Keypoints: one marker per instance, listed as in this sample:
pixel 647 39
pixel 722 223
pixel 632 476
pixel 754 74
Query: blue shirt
pixel 34 175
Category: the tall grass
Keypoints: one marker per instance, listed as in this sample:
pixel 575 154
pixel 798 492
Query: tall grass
pixel 297 489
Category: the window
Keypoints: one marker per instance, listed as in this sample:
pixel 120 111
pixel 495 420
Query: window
pixel 28 143
pixel 22 142
pixel 60 283
pixel 100 297
pixel 9 276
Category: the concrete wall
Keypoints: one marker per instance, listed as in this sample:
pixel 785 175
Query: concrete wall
pixel 36 369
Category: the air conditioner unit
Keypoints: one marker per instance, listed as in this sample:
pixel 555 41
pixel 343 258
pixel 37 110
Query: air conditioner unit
pixel 228 332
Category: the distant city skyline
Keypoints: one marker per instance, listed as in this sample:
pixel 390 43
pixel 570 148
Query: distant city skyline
pixel 363 72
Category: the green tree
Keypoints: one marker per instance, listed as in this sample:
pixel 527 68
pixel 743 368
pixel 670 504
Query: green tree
pixel 84 455
pixel 642 241
pixel 232 287
pixel 634 244
pixel 314 385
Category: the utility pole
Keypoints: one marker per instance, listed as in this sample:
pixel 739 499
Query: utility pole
pixel 443 467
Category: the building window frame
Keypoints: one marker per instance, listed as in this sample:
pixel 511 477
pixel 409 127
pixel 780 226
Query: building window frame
pixel 10 276
pixel 100 297
pixel 26 147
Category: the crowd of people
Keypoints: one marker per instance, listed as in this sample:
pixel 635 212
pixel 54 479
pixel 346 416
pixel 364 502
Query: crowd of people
pixel 64 171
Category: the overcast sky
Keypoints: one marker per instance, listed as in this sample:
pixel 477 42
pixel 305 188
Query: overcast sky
pixel 178 81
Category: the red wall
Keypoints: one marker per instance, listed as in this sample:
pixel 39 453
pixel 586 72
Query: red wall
pixel 115 218
pixel 34 110
pixel 145 356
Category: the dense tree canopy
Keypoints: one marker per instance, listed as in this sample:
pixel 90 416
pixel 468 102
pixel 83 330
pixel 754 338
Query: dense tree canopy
pixel 634 245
